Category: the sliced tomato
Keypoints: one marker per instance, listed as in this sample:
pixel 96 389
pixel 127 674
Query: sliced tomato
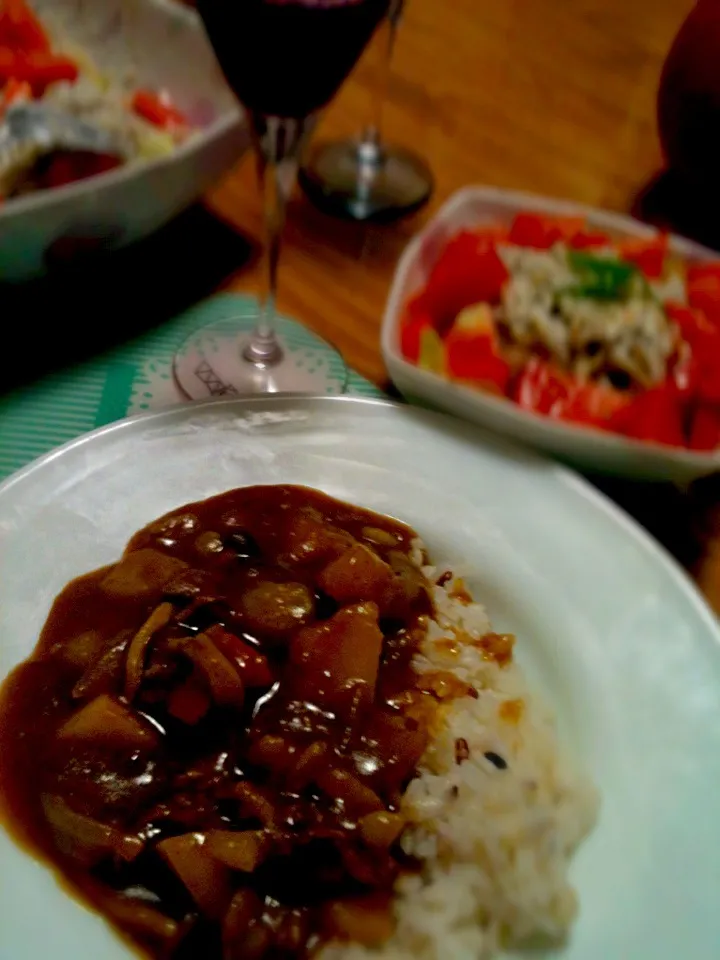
pixel 698 374
pixel 475 358
pixel 703 270
pixel 705 428
pixel 38 68
pixel 545 389
pixel 469 271
pixel 535 230
pixel 43 69
pixel 648 255
pixel 684 373
pixel 472 350
pixel 417 304
pixel 655 415
pixel 158 109
pixel 411 330
pixel 8 59
pixel 25 54
pixel 20 29
pixel 703 293
pixel 587 240
pixel 708 378
pixel 542 388
pixel 594 403
pixel 694 325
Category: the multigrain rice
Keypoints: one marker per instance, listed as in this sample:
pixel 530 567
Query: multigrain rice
pixel 495 811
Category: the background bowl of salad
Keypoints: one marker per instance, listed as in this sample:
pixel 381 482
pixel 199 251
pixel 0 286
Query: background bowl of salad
pixel 584 333
pixel 142 70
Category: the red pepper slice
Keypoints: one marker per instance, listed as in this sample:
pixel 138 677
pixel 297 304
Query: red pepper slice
pixel 705 428
pixel 469 271
pixel 157 109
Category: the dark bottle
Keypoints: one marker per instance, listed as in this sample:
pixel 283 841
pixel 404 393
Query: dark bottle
pixel 689 97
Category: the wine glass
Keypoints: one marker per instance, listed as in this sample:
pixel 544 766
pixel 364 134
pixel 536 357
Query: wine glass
pixel 284 60
pixel 365 178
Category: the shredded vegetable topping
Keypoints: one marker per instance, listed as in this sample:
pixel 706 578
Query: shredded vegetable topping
pixel 596 315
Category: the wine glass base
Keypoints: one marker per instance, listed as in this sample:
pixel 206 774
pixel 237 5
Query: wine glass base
pixel 364 180
pixel 209 364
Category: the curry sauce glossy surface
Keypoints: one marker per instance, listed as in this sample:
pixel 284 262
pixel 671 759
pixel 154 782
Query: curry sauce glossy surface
pixel 212 737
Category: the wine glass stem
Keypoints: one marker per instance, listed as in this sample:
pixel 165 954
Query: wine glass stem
pixel 278 142
pixel 373 133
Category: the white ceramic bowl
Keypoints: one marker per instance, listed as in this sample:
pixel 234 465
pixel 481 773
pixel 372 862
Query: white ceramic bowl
pixel 586 448
pixel 141 43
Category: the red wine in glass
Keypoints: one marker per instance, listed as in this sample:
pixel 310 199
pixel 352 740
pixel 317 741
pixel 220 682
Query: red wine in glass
pixel 284 60
pixel 287 58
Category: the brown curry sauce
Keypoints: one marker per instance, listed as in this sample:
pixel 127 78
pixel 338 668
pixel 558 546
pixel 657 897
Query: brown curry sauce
pixel 212 737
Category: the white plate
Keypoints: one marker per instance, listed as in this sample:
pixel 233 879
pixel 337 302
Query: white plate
pixel 608 625
pixel 586 448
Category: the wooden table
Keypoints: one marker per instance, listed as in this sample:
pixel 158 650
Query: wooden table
pixel 551 96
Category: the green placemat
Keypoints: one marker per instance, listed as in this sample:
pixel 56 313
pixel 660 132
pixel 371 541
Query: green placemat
pixel 126 380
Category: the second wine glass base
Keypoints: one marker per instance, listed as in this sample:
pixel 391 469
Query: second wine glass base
pixel 361 180
pixel 209 364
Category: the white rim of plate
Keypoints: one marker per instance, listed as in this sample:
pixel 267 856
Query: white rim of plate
pixel 582 487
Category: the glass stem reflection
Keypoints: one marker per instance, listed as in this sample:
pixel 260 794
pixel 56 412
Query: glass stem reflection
pixel 278 142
